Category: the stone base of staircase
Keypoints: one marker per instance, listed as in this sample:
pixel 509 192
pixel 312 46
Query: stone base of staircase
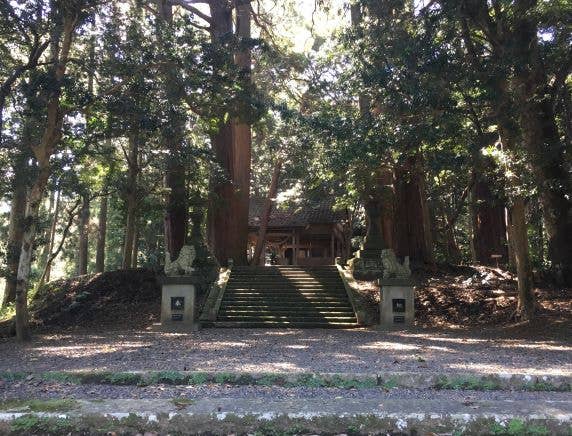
pixel 300 416
pixel 285 296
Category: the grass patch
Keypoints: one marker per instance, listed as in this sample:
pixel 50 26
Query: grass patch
pixel 223 378
pixel 309 381
pixel 539 385
pixel 467 383
pixel 12 376
pixel 198 378
pixel 517 427
pixel 62 377
pixel 390 383
pixel 32 424
pixel 60 405
pixel 123 378
pixel 168 377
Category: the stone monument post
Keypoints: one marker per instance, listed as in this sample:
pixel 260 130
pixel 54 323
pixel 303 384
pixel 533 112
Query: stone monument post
pixel 179 292
pixel 397 305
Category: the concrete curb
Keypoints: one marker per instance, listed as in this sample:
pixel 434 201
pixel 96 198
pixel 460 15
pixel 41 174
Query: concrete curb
pixel 388 380
pixel 224 416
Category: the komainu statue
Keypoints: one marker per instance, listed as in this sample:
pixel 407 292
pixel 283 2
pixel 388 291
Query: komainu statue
pixel 184 263
pixel 392 269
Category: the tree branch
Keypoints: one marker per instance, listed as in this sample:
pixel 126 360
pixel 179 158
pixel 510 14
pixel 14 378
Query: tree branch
pixel 185 4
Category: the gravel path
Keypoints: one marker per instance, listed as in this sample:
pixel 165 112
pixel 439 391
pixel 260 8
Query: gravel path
pixel 293 350
pixel 52 390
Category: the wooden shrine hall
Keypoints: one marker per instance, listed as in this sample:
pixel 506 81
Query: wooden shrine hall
pixel 308 234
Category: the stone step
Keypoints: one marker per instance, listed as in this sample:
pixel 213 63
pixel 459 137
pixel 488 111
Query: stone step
pixel 301 280
pixel 284 324
pixel 271 292
pixel 306 415
pixel 287 319
pixel 284 304
pixel 286 298
pixel 280 311
pixel 264 285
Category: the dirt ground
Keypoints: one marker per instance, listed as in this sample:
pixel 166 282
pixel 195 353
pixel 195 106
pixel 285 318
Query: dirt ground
pixel 481 299
pixel 450 298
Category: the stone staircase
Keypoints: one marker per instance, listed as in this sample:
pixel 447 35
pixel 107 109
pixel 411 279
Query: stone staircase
pixel 285 296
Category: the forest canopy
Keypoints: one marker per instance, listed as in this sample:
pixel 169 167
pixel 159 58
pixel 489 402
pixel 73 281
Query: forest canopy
pixel 131 128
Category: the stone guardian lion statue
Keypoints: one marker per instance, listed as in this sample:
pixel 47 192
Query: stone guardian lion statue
pixel 183 265
pixel 392 269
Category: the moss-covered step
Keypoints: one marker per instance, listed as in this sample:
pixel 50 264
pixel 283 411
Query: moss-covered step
pixel 253 416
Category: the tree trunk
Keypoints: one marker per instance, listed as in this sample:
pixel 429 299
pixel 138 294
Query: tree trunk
pixel 386 182
pixel 131 200
pixel 547 153
pixel 520 243
pixel 413 236
pixel 135 248
pixel 271 197
pixel 42 152
pixel 228 210
pixel 24 266
pixel 83 236
pixel 14 243
pixel 177 209
pixel 45 277
pixel 489 225
pixel 101 235
pixel 51 241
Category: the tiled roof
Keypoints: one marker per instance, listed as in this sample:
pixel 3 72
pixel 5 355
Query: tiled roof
pixel 295 215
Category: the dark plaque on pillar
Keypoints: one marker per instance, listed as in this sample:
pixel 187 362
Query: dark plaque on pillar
pixel 398 305
pixel 177 303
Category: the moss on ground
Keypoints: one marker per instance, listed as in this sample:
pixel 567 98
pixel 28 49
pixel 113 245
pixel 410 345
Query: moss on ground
pixel 58 405
pixel 310 380
pixel 468 383
pixel 278 426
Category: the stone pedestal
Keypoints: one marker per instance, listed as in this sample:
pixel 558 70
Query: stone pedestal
pixel 397 306
pixel 178 303
pixel 366 265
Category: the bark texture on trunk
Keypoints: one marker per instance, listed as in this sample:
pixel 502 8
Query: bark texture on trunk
pixel 60 48
pixel 101 235
pixel 229 207
pixel 52 254
pixel 135 248
pixel 131 200
pixel 489 225
pixel 258 258
pixel 413 236
pixel 177 208
pixel 14 243
pixel 523 268
pixel 547 153
pixel 83 251
pixel 386 181
pixel 50 247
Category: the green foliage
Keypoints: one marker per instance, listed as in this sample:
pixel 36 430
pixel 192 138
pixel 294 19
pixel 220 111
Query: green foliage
pixel 62 377
pixel 223 377
pixel 33 424
pixel 518 427
pixel 198 378
pixel 11 376
pixel 60 405
pixel 467 383
pixel 121 378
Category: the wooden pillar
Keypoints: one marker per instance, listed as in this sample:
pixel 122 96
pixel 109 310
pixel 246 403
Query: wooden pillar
pixel 332 246
pixel 295 239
